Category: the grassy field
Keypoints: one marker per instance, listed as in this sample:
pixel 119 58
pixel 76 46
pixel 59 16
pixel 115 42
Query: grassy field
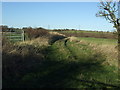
pixel 100 40
pixel 80 31
pixel 94 34
pixel 66 63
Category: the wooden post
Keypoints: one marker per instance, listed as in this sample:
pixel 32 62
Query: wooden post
pixel 23 37
pixel 10 36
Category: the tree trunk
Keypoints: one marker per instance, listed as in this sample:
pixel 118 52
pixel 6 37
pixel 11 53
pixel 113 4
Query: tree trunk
pixel 118 53
pixel 119 46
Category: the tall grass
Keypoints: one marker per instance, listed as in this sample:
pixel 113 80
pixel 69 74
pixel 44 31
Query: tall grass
pixel 106 46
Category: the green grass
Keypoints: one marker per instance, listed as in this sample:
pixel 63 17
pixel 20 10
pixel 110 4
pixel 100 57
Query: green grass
pixel 93 61
pixel 64 65
pixel 100 40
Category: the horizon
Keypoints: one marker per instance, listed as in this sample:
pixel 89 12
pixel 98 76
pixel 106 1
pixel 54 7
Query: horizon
pixel 57 29
pixel 54 15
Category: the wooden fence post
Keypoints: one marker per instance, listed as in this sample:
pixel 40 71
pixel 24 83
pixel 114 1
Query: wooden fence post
pixel 23 37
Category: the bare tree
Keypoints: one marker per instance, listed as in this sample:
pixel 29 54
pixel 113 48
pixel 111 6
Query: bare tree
pixel 108 10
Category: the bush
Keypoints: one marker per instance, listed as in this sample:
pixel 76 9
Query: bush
pixel 35 33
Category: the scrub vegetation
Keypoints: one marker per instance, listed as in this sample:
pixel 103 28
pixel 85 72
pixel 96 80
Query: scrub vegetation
pixel 54 60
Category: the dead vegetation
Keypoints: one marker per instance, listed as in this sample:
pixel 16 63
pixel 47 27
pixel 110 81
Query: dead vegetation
pixel 36 42
pixel 109 51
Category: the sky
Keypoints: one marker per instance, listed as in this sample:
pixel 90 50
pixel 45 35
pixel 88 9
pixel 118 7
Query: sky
pixel 54 15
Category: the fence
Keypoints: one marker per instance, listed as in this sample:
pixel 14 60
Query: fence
pixel 14 36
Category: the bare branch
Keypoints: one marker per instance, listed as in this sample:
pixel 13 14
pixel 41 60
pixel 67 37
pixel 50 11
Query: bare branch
pixel 108 11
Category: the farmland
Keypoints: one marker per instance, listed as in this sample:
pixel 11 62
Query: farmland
pixel 82 33
pixel 55 60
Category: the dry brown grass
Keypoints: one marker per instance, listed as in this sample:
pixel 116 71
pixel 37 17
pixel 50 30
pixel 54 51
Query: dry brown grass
pixel 109 51
pixel 72 38
pixel 40 41
pixel 111 54
pixel 35 42
pixel 56 33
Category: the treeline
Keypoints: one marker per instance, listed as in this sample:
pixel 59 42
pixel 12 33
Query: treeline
pixel 8 29
pixel 5 28
pixel 82 30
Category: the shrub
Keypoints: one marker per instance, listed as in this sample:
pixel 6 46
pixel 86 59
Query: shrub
pixel 35 33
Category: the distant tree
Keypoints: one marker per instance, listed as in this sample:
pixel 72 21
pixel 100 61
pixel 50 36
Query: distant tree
pixel 12 29
pixel 40 28
pixel 24 28
pixel 4 28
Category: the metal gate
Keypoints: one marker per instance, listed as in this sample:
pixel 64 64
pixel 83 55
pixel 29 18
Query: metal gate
pixel 14 36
